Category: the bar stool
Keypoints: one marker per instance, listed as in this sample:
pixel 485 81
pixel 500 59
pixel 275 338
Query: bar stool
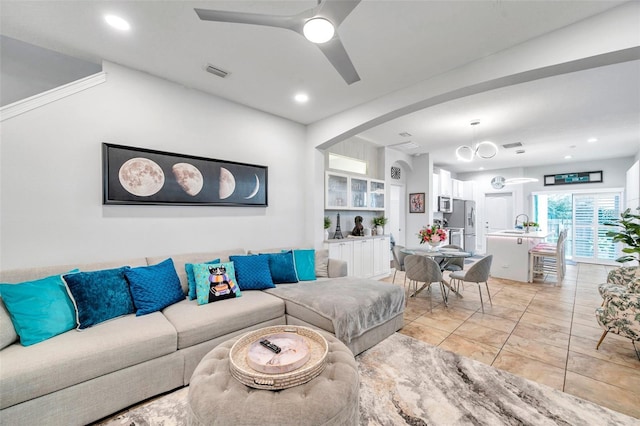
pixel 547 258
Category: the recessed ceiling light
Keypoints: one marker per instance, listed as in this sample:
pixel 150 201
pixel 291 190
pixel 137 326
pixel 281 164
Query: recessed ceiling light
pixel 117 22
pixel 567 157
pixel 318 30
pixel 592 140
pixel 481 168
pixel 301 98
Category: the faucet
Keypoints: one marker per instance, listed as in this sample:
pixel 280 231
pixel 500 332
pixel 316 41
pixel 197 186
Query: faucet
pixel 526 224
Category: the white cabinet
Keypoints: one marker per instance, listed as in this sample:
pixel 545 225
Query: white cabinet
pixel 381 256
pixel 343 251
pixel 365 257
pixel 446 186
pixel 457 188
pixel 469 190
pixel 343 192
pixel 436 192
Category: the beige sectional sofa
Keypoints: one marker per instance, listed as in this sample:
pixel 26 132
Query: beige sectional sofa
pixel 81 376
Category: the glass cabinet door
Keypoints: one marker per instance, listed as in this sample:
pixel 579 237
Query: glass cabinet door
pixel 337 191
pixel 376 194
pixel 358 193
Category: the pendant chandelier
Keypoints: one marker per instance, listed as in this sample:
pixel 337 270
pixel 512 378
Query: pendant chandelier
pixel 484 149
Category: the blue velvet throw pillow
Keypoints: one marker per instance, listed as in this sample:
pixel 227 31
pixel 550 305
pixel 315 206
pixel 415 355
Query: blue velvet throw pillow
pixel 252 272
pixel 282 267
pixel 154 287
pixel 215 282
pixel 99 295
pixel 39 309
pixel 305 261
pixel 188 267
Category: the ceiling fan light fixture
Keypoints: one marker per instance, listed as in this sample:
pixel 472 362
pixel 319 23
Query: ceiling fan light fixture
pixel 318 30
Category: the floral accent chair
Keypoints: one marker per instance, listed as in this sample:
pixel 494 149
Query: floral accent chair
pixel 620 310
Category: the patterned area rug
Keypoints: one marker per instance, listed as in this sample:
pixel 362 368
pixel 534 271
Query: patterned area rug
pixel 406 381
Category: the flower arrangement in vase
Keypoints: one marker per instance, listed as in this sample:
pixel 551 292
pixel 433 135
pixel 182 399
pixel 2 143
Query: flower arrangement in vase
pixel 432 234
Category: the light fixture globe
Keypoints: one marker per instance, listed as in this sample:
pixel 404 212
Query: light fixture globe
pixel 318 30
pixel 465 153
pixel 486 149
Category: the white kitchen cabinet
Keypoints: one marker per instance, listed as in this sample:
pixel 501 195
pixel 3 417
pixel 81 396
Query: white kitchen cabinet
pixel 457 189
pixel 446 185
pixel 342 250
pixel 436 192
pixel 381 256
pixel 365 257
pixel 344 192
pixel 469 190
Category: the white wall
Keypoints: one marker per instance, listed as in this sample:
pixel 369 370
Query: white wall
pixel 419 180
pixel 51 208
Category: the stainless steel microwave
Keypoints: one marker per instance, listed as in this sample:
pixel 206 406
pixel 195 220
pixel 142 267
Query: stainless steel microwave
pixel 445 204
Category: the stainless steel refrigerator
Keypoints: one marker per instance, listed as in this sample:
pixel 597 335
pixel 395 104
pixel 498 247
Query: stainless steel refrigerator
pixel 464 216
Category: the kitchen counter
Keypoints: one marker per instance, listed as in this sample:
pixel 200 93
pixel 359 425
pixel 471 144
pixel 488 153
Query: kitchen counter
pixel 510 250
pixel 518 233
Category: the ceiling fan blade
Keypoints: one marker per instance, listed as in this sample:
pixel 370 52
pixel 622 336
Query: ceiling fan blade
pixel 337 10
pixel 337 55
pixel 288 22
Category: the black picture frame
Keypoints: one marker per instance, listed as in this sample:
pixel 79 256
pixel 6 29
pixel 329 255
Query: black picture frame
pixel 573 178
pixel 416 202
pixel 134 175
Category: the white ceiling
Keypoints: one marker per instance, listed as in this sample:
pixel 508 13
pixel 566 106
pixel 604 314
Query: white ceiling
pixel 393 45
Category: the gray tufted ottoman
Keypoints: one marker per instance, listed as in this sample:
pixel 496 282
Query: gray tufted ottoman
pixel 216 398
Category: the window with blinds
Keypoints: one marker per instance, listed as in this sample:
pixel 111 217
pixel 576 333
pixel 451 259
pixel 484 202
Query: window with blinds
pixel 590 213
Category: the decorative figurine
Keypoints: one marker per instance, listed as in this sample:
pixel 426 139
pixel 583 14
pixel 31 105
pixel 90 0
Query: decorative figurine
pixel 338 233
pixel 358 231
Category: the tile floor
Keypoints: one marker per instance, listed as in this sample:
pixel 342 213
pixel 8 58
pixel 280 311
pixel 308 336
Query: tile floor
pixel 542 331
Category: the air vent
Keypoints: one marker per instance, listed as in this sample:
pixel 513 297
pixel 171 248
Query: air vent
pixel 520 151
pixel 217 71
pixel 512 145
pixel 405 134
pixel 405 146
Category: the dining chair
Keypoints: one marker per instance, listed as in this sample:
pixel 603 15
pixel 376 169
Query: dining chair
pixel 398 262
pixel 452 264
pixel 425 270
pixel 545 258
pixel 477 273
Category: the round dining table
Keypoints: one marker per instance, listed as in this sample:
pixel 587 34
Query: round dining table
pixel 443 257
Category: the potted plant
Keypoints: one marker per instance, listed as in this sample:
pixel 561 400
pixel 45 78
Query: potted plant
pixel 379 223
pixel 434 235
pixel 327 225
pixel 628 233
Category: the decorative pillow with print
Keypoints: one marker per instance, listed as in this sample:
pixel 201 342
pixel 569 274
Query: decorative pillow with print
pixel 215 282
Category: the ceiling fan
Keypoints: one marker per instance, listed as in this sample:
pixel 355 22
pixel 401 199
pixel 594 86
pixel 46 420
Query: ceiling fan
pixel 326 16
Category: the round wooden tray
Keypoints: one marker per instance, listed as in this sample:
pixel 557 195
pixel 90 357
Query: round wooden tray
pixel 242 371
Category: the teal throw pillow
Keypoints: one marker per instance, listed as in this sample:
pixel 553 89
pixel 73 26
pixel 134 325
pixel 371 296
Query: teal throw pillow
pixel 215 282
pixel 99 295
pixel 252 272
pixel 188 267
pixel 154 287
pixel 305 261
pixel 282 267
pixel 39 309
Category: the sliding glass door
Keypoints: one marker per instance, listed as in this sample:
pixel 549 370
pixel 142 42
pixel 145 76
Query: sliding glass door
pixel 583 215
pixel 590 213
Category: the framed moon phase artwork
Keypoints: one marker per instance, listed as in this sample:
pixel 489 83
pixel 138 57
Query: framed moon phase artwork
pixel 144 176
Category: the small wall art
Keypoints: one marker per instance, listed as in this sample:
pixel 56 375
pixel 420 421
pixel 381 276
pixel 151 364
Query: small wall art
pixel 144 176
pixel 416 202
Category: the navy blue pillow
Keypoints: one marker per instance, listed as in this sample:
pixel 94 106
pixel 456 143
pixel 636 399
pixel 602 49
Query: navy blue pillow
pixel 282 267
pixel 252 272
pixel 99 295
pixel 154 287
